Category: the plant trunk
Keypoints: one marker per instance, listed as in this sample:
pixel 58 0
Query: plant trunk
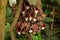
pixel 2 17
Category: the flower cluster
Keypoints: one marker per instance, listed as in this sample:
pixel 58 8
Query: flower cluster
pixel 30 20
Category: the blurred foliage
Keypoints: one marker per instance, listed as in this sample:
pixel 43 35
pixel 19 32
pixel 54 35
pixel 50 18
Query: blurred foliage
pixel 7 35
pixel 9 20
pixel 48 19
pixel 36 37
pixel 45 34
pixel 9 15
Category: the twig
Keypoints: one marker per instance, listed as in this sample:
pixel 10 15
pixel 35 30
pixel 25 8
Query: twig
pixel 53 12
pixel 19 8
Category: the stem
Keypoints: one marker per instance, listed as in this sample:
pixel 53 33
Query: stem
pixel 3 4
pixel 53 12
pixel 49 36
pixel 19 8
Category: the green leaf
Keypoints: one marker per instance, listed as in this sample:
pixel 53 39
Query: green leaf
pixel 48 19
pixel 7 25
pixel 10 20
pixel 44 5
pixel 7 36
pixel 9 12
pixel 52 1
pixel 32 2
pixel 39 36
pixel 47 12
pixel 34 37
pixel 58 1
pixel 9 15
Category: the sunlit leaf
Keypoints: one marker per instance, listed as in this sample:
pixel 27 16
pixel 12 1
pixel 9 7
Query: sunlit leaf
pixel 32 2
pixel 34 37
pixel 39 36
pixel 58 1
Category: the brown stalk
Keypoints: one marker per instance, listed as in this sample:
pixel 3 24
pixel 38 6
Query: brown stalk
pixel 3 4
pixel 52 24
pixel 19 8
pixel 53 13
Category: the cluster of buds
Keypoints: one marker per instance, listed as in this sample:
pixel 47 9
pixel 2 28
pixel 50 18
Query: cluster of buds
pixel 30 21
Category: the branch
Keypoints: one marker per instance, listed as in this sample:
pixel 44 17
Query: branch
pixel 53 13
pixel 19 8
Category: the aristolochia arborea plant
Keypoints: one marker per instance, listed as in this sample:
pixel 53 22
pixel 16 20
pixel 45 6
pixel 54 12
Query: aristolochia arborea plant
pixel 31 17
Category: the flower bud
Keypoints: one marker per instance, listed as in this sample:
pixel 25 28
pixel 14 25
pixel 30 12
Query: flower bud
pixel 12 2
